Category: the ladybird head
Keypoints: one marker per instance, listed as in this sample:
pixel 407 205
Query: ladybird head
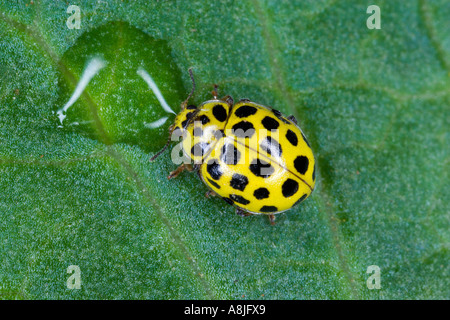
pixel 184 117
pixel 201 124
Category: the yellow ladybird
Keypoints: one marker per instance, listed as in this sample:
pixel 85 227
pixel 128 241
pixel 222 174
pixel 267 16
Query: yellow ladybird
pixel 250 155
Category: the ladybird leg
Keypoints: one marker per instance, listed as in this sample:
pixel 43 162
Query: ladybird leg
pixel 242 213
pixel 210 193
pixel 272 219
pixel 165 146
pixel 229 100
pixel 214 92
pixel 177 171
pixel 292 118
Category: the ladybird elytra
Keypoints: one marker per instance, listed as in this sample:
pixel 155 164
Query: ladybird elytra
pixel 250 155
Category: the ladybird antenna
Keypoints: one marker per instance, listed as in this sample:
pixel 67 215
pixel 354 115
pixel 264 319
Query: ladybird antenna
pixel 162 150
pixel 185 102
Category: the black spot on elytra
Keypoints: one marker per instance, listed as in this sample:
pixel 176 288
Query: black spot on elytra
pixel 213 183
pixel 200 149
pixel 239 182
pixel 176 133
pixel 245 111
pixel 204 119
pixel 289 188
pixel 301 164
pixel 292 137
pixel 279 115
pixel 218 134
pixel 188 117
pixel 214 170
pixel 303 197
pixel 292 119
pixel 261 168
pixel 230 154
pixel 306 140
pixel 239 199
pixel 219 112
pixel 314 173
pixel 198 132
pixel 271 146
pixel 261 193
pixel 268 209
pixel 228 200
pixel 270 123
pixel 243 129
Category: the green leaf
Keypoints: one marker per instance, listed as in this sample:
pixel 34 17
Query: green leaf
pixel 373 103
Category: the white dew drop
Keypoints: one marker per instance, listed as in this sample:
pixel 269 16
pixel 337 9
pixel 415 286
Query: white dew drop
pixel 92 69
